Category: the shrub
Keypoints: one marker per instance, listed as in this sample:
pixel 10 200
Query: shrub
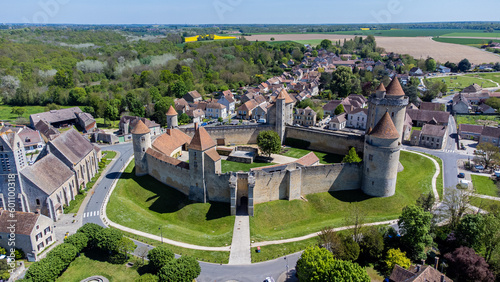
pixel 65 252
pixel 160 256
pixel 148 277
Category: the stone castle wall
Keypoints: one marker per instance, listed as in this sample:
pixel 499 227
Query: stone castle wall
pixel 294 183
pixel 171 175
pixel 238 135
pixel 327 141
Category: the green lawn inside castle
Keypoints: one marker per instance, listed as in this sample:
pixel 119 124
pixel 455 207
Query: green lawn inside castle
pixel 144 204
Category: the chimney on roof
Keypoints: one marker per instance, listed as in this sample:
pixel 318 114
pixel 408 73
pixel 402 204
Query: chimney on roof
pixel 196 126
pixel 423 262
pixel 437 262
pixel 442 278
pixel 418 268
pixel 169 131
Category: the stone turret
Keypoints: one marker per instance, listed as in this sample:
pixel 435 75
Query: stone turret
pixel 172 118
pixel 391 100
pixel 200 152
pixel 141 139
pixel 381 158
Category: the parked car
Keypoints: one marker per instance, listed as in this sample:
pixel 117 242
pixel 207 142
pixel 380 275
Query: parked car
pixel 479 167
pixel 461 175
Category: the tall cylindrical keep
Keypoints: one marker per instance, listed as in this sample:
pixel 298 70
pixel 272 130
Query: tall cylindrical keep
pixel 172 121
pixel 141 139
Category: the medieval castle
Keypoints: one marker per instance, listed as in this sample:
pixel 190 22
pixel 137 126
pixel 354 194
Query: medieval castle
pixel 201 178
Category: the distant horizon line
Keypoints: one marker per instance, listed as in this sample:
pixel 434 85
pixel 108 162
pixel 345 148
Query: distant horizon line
pixel 244 24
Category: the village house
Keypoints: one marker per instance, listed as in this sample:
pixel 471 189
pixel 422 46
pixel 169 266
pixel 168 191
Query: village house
pixel 433 136
pixel 461 104
pixel 127 123
pixel 339 122
pixel 305 117
pixel 34 232
pixel 65 117
pixel 196 115
pixel 32 140
pixel 357 119
pixel 192 97
pixel 227 99
pixel 245 111
pixel 429 106
pixel 470 131
pixel 421 117
pixel 216 110
pixel 417 273
pixel 490 135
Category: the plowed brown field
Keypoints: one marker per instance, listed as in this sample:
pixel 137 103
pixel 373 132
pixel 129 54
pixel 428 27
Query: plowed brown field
pixel 418 47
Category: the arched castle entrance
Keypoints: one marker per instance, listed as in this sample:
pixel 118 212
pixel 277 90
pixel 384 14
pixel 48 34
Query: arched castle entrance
pixel 241 185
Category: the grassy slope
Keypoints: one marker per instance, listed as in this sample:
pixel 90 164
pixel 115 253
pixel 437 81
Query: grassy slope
pixel 287 219
pixel 143 203
pixel 83 267
pixel 484 185
pixel 485 204
pixel 324 158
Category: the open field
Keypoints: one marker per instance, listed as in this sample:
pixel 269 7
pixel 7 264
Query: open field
pixel 478 119
pixel 476 42
pixel 145 204
pixel 287 219
pixel 473 34
pixel 459 82
pixel 418 47
pixel 485 186
pixel 420 33
pixel 5 112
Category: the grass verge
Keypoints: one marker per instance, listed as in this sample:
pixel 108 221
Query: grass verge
pixel 270 252
pixel 288 219
pixel 486 204
pixel 75 204
pixel 145 204
pixel 484 185
pixel 228 166
pixel 206 256
pixel 324 158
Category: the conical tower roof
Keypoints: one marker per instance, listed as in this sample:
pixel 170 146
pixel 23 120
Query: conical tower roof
pixel 394 88
pixel 201 140
pixel 171 111
pixel 140 128
pixel 385 128
pixel 381 87
pixel 284 96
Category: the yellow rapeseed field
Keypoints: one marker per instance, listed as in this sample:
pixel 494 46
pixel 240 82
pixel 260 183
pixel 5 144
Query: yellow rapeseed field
pixel 216 37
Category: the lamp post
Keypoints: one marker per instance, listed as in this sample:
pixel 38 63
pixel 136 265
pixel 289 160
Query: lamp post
pixel 161 235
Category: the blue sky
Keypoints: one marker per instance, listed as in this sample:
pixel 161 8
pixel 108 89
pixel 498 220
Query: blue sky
pixel 245 11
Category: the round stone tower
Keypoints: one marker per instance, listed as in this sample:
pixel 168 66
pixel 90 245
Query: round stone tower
pixel 141 139
pixel 172 118
pixel 391 100
pixel 381 158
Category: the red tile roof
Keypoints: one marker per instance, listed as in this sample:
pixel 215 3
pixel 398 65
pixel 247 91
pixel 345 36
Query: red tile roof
pixel 171 111
pixel 284 96
pixel 140 128
pixel 212 153
pixel 308 160
pixel 385 128
pixel 394 88
pixel 381 87
pixel 201 141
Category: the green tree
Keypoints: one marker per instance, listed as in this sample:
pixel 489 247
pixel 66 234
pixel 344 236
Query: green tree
pixel 125 246
pixel 371 245
pixel 351 157
pixel 184 118
pixel 160 256
pixel 45 270
pixel 464 65
pixel 178 89
pixel 318 264
pixel 314 53
pixel 342 81
pixel 426 201
pixel 65 252
pixel 269 142
pixel 191 267
pixel 92 231
pixel 491 235
pixel 430 64
pixel 64 78
pixel 19 111
pixel 493 102
pixel 415 228
pixel 79 240
pixel 339 110
pixel 396 256
pixel 486 154
pixel 148 277
pixel 77 96
pixel 111 112
pixel 109 239
pixel 469 231
pixel 326 44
